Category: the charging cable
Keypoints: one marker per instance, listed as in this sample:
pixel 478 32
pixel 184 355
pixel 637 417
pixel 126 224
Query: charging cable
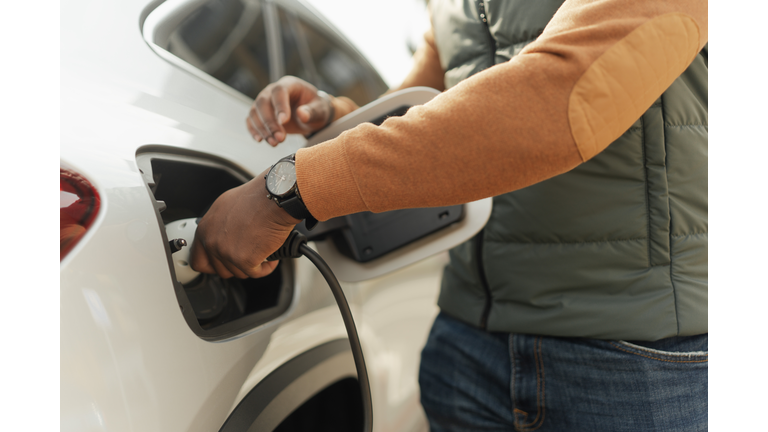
pixel 294 247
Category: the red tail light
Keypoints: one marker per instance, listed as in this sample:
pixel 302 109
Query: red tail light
pixel 79 206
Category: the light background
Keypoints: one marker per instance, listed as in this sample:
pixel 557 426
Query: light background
pixel 739 149
pixel 381 29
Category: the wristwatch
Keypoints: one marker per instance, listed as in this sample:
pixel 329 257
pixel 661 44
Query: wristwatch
pixel 283 190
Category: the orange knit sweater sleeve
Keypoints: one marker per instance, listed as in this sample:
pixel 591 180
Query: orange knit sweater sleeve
pixel 595 69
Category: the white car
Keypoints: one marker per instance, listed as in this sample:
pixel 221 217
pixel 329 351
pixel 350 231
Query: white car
pixel 153 102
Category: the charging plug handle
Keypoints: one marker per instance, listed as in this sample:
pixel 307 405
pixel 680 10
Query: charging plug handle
pixel 290 248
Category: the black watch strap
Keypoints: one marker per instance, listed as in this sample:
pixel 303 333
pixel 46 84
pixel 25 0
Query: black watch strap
pixel 292 204
pixel 294 207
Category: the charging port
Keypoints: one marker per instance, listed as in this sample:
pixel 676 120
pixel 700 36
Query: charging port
pixel 184 185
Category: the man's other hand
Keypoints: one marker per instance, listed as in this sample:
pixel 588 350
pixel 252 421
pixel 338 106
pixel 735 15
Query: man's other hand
pixel 241 229
pixel 289 105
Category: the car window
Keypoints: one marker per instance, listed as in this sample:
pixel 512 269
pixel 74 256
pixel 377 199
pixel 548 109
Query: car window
pixel 337 69
pixel 227 39
pixel 230 40
pixel 297 59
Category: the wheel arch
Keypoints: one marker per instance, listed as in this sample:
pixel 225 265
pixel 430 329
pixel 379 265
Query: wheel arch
pixel 290 386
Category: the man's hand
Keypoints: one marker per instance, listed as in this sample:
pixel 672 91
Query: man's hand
pixel 241 229
pixel 289 105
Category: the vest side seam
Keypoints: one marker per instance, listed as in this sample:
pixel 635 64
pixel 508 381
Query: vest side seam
pixel 671 254
pixel 647 189
pixel 674 290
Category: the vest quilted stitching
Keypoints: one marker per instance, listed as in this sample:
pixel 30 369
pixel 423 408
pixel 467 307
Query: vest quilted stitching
pixel 614 249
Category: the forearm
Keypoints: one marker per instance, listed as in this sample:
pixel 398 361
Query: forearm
pixel 596 68
pixel 426 70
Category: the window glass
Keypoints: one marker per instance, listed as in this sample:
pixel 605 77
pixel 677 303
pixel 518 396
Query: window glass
pixel 227 39
pixel 297 60
pixel 338 70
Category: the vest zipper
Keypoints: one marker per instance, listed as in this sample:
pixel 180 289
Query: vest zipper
pixel 479 237
pixel 484 19
pixel 483 279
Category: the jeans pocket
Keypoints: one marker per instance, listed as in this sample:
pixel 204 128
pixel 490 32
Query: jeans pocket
pixel 669 354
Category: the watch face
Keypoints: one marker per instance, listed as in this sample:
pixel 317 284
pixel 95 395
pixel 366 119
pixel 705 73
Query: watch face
pixel 281 178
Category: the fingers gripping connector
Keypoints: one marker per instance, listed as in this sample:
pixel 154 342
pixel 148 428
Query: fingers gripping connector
pixel 289 249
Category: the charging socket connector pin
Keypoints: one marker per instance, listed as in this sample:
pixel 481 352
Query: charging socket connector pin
pixel 177 244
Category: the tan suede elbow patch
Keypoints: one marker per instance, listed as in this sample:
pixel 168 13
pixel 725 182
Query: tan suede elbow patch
pixel 626 79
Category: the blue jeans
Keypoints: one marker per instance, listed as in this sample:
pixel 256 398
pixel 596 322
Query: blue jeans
pixel 473 380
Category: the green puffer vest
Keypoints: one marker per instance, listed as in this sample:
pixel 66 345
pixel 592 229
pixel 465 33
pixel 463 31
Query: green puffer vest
pixel 614 249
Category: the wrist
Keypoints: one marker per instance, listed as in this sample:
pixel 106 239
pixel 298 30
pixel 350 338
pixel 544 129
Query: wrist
pixel 331 108
pixel 273 214
pixel 279 216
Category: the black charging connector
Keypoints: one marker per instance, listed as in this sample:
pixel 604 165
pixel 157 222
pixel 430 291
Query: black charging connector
pixel 290 247
pixel 294 247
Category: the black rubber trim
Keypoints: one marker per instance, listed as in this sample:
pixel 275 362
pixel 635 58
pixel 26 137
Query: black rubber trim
pixel 254 403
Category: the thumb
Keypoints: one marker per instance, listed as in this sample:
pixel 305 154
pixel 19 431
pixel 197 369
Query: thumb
pixel 316 111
